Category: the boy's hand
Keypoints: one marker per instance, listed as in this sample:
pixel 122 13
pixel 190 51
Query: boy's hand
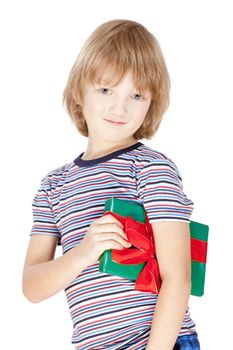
pixel 104 233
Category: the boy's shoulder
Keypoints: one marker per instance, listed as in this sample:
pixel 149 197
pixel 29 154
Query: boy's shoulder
pixel 150 158
pixel 60 170
pixel 151 155
pixel 55 176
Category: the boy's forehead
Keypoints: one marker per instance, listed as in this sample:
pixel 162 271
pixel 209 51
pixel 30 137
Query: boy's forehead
pixel 110 76
pixel 113 79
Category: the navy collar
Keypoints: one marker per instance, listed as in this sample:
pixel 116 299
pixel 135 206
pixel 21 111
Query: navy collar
pixel 84 162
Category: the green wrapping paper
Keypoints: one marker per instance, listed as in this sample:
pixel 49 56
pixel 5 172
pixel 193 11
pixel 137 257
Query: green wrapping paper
pixel 137 212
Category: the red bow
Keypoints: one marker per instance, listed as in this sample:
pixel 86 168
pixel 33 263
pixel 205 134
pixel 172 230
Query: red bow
pixel 140 235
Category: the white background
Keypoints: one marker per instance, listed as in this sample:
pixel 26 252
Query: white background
pixel 39 43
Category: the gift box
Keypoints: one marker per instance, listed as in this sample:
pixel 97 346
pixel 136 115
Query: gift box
pixel 199 243
pixel 139 263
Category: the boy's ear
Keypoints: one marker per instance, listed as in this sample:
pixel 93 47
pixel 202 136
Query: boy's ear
pixel 78 105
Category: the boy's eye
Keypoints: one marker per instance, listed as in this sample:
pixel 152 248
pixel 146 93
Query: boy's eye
pixel 138 97
pixel 104 91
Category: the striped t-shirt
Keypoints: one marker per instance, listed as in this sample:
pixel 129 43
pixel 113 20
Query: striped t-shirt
pixel 106 310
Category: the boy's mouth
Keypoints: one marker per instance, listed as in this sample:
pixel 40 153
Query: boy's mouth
pixel 114 122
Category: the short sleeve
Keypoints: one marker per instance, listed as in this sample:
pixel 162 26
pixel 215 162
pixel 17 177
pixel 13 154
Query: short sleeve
pixel 43 216
pixel 161 192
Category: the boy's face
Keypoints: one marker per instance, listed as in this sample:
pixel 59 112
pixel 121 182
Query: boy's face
pixel 114 113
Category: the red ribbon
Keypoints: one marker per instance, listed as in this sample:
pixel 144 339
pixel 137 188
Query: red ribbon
pixel 198 250
pixel 141 237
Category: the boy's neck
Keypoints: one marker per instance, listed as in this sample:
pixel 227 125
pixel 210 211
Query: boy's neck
pixel 94 152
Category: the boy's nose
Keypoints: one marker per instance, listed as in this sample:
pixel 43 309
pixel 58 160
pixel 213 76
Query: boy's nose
pixel 119 107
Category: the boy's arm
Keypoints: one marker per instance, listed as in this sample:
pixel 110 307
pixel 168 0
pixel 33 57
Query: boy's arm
pixel 172 241
pixel 44 276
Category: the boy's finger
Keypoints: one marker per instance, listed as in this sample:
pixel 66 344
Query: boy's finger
pixel 109 219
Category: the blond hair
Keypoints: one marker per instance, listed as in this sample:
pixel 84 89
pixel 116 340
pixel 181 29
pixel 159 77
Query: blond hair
pixel 113 49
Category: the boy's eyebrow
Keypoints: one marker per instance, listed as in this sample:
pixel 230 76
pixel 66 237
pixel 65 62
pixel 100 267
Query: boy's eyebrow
pixel 100 82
